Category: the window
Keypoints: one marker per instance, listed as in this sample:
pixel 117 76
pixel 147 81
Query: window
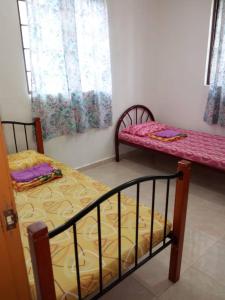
pixel 23 19
pixel 212 37
pixel 67 61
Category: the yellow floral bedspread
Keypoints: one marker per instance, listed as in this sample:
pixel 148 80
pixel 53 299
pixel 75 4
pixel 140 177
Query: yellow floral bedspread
pixel 56 202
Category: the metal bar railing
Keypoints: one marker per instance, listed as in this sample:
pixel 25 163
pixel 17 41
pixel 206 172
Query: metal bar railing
pixel 124 124
pixel 77 261
pixel 130 271
pixel 166 210
pixel 14 123
pixel 107 195
pixel 131 121
pixel 152 217
pixel 99 247
pixel 142 116
pixel 119 236
pixel 137 224
pixel 25 131
pixel 96 205
pixel 17 123
pixel 14 135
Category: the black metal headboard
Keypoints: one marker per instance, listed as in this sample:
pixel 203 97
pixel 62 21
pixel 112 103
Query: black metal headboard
pixel 38 132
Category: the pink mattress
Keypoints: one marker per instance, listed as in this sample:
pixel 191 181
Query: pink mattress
pixel 198 147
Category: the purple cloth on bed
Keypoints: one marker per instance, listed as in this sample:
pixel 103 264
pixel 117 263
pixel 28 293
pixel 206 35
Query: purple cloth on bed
pixel 30 174
pixel 167 133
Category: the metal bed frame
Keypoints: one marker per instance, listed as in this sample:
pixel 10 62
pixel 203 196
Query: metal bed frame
pixel 39 236
pixel 36 124
pixel 139 114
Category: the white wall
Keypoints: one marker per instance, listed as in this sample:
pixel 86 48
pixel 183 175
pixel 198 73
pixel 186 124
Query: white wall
pixel 131 26
pixel 182 40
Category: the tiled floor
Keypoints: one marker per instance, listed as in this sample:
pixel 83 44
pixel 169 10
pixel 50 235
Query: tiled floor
pixel 203 266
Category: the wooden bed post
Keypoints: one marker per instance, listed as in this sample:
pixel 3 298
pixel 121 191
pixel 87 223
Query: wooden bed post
pixel 41 261
pixel 38 132
pixel 180 210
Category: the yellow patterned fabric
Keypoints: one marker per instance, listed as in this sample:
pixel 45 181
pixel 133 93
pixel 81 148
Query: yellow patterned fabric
pixel 58 201
pixel 26 159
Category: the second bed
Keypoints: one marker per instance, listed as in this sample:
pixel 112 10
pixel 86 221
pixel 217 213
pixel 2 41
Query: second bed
pixel 199 147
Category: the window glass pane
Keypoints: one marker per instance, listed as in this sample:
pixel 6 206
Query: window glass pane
pixel 25 34
pixel 29 81
pixel 27 59
pixel 23 12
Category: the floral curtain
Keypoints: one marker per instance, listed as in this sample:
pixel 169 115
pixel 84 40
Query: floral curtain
pixel 70 64
pixel 215 109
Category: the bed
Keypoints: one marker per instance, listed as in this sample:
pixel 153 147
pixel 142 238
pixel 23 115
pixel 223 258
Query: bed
pixel 82 238
pixel 198 147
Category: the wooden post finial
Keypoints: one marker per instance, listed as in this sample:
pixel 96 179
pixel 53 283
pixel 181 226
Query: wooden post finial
pixel 41 261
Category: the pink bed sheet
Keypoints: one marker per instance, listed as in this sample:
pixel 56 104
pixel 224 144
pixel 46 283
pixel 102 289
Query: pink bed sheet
pixel 198 147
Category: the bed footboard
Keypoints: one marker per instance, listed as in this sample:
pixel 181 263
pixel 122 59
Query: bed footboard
pixel 39 236
pixel 136 114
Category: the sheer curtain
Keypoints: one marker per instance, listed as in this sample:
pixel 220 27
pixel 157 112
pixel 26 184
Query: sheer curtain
pixel 70 63
pixel 215 109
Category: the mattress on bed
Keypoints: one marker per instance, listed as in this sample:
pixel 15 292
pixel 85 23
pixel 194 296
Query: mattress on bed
pixel 56 202
pixel 198 146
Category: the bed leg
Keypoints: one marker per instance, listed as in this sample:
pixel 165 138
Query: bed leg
pixel 41 261
pixel 180 210
pixel 117 152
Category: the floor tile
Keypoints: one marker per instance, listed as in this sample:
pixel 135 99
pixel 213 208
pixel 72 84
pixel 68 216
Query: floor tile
pixel 129 289
pixel 196 243
pixel 195 285
pixel 207 220
pixel 154 274
pixel 213 262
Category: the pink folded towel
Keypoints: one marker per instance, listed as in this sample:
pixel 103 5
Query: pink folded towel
pixel 30 174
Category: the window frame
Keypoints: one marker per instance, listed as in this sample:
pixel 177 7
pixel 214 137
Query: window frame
pixel 212 37
pixel 22 25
